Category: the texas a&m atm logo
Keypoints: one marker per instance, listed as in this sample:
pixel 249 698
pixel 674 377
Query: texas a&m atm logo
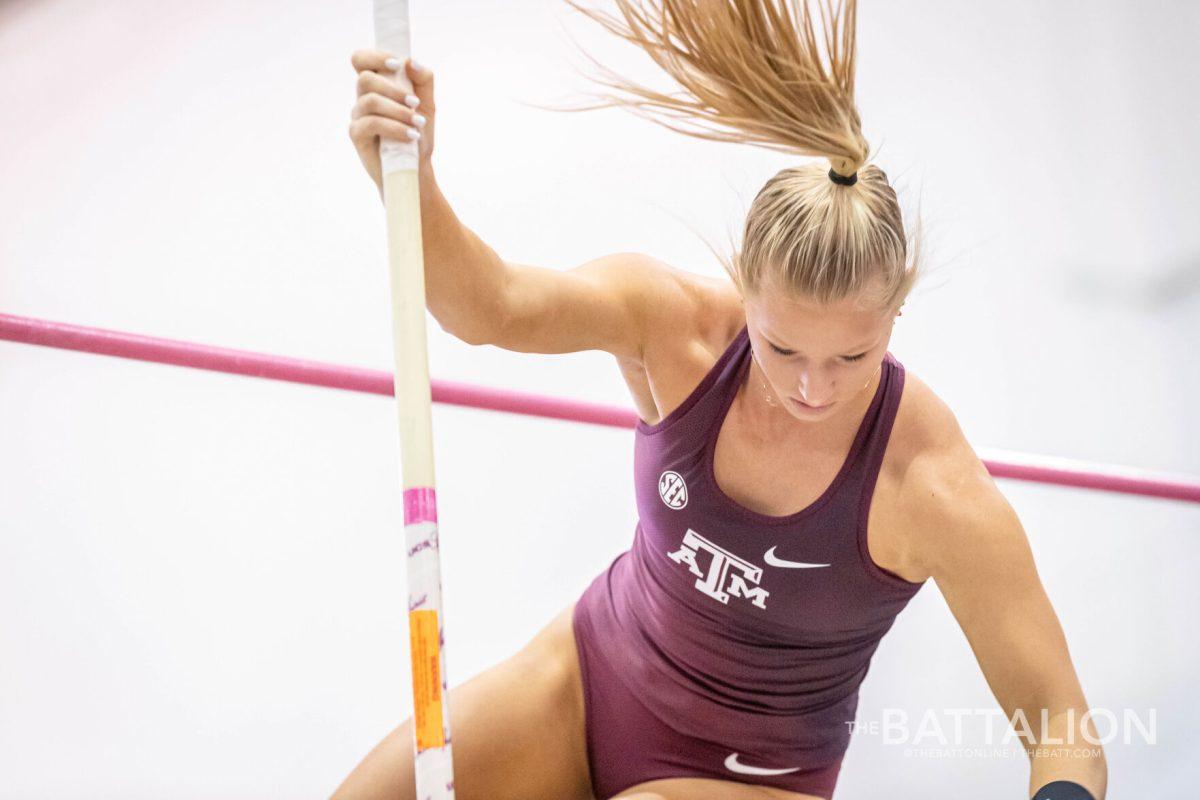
pixel 727 575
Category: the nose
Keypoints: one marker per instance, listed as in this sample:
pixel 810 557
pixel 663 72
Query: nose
pixel 814 389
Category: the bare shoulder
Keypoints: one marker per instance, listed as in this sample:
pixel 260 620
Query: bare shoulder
pixel 687 307
pixel 934 485
pixel 675 305
pixel 686 333
pixel 718 315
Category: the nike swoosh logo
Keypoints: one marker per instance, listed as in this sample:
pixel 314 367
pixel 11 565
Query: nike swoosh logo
pixel 771 559
pixel 732 765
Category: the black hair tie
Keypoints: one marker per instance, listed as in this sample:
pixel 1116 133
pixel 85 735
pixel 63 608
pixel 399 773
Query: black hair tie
pixel 842 179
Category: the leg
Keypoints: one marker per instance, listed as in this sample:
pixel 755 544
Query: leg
pixel 517 731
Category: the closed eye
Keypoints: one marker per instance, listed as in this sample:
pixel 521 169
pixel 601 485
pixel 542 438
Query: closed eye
pixel 847 359
pixel 781 351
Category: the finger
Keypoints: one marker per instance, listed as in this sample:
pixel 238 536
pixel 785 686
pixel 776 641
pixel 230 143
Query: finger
pixel 375 105
pixel 364 130
pixel 374 83
pixel 374 60
pixel 422 81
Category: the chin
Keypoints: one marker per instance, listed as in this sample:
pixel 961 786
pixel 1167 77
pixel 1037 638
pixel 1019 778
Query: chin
pixel 802 410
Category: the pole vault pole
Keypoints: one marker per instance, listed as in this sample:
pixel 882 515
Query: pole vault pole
pixel 432 762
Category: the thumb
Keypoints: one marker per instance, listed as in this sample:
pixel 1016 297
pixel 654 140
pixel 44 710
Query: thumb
pixel 422 82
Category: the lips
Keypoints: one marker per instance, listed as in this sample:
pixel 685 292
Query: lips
pixel 809 406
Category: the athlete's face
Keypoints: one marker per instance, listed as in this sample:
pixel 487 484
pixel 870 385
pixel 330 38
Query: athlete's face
pixel 816 358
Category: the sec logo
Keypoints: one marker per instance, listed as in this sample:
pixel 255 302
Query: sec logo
pixel 672 489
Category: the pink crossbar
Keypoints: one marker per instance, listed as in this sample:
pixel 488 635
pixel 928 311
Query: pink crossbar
pixel 1016 466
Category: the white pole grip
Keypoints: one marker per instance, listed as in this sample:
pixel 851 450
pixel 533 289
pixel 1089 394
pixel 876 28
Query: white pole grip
pixel 393 35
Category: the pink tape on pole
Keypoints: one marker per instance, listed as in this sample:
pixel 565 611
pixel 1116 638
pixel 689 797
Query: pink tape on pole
pixel 420 505
pixel 1038 469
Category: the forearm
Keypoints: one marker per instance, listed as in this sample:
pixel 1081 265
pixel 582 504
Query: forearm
pixel 464 278
pixel 1064 753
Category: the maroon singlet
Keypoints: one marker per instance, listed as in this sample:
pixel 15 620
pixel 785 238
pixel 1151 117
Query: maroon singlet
pixel 726 643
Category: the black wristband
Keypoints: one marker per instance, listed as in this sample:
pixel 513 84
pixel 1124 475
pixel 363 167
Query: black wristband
pixel 1063 790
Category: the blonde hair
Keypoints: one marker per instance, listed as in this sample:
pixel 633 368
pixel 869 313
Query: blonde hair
pixel 752 71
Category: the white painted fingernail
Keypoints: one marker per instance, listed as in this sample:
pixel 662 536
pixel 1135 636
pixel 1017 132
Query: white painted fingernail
pixel 418 120
pixel 417 65
pixel 393 64
pixel 411 100
pixel 414 134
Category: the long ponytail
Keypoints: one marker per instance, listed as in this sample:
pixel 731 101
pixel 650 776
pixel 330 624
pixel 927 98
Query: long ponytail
pixel 760 72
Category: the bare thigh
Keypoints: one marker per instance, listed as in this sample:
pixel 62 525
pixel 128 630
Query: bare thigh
pixel 706 789
pixel 517 731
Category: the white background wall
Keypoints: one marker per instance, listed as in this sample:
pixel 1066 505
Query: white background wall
pixel 201 575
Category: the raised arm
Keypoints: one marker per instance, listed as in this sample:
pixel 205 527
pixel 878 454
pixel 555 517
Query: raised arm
pixel 613 303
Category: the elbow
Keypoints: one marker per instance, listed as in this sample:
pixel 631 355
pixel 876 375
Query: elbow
pixel 490 323
pixel 483 319
pixel 471 336
pixel 476 331
pixel 464 333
